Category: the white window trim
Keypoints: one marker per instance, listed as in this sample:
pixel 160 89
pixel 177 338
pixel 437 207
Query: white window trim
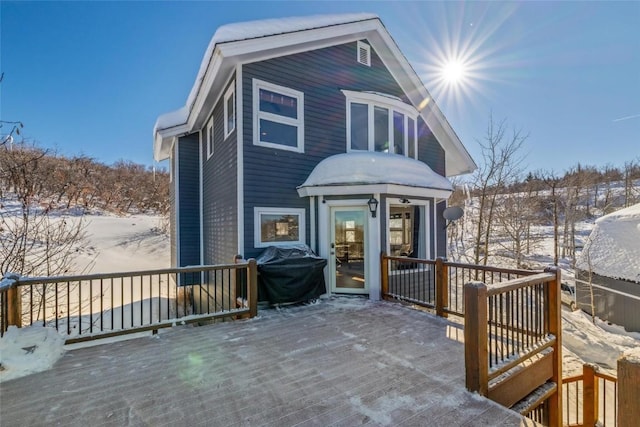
pixel 257 115
pixel 231 92
pixel 210 139
pixel 257 230
pixel 391 103
pixel 364 46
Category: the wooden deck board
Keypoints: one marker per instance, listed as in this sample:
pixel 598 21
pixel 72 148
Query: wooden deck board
pixel 343 361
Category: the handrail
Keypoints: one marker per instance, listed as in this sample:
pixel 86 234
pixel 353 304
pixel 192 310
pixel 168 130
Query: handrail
pixel 522 282
pixel 191 269
pixel 492 269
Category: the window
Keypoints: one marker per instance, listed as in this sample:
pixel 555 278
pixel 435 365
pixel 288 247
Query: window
pixel 278 226
pixel 378 122
pixel 209 138
pixel 230 110
pixel 364 54
pixel 407 231
pixel 278 117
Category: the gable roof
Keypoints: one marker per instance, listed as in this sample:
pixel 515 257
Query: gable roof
pixel 258 40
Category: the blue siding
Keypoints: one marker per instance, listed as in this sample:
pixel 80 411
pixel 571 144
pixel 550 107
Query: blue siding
pixel 188 200
pixel 271 175
pixel 429 150
pixel 220 188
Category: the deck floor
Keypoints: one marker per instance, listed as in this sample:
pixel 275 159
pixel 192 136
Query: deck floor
pixel 340 362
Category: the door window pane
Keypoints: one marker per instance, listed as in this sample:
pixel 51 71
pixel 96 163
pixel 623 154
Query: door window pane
pixel 359 126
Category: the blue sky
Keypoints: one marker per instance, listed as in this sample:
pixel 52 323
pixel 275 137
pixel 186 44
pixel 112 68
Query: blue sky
pixel 91 78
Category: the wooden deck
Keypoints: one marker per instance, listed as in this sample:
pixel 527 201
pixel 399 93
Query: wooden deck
pixel 340 362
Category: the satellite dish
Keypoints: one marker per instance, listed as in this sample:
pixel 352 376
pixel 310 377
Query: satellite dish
pixel 453 213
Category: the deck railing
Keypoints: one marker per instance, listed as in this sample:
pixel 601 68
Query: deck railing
pixel 512 342
pixel 590 399
pixel 437 284
pixel 103 305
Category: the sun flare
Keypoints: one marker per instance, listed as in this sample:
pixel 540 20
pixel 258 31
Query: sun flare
pixel 454 72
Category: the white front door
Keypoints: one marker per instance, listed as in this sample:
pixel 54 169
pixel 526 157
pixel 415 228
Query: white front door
pixel 348 249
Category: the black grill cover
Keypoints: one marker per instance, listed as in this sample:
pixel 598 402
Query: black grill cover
pixel 290 274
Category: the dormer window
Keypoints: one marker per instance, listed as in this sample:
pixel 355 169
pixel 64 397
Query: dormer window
pixel 382 123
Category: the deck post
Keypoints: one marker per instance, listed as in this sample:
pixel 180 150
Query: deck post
pixel 589 395
pixel 441 285
pixel 14 306
pixel 252 287
pixel 384 275
pixel 629 387
pixel 476 357
pixel 555 328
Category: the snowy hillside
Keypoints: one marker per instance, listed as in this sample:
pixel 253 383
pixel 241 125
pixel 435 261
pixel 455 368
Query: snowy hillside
pixel 119 244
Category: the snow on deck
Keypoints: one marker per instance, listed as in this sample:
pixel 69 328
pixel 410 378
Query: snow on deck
pixel 343 361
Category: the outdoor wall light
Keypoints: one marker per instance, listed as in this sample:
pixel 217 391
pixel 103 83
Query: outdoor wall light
pixel 373 206
pixel 405 201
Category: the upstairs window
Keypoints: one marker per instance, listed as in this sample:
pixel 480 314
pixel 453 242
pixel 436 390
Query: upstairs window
pixel 230 110
pixel 278 114
pixel 382 123
pixel 209 138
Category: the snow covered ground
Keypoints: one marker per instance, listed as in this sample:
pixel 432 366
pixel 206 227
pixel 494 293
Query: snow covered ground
pixel 120 244
pixel 114 244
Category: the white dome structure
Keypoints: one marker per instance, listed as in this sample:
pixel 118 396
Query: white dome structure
pixel 371 172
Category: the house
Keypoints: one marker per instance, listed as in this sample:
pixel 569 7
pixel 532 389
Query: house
pixel 311 130
pixel 609 266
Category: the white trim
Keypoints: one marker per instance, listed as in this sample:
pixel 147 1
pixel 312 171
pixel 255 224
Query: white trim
pixel 393 105
pixel 435 227
pixel 347 190
pixel 373 241
pixel 257 225
pixel 258 115
pixel 240 160
pixel 231 92
pixel 200 188
pixel 210 139
pixel 362 46
pixel 176 198
pixel 312 221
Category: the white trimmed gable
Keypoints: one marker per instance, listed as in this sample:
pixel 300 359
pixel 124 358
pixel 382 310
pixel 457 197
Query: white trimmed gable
pixel 260 40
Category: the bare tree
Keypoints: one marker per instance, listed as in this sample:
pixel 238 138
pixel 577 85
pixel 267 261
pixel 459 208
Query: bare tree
pixel 32 242
pixel 500 167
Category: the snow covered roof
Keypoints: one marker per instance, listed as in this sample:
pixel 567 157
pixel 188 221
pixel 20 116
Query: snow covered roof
pixel 251 30
pixel 613 248
pixel 370 172
pixel 258 40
